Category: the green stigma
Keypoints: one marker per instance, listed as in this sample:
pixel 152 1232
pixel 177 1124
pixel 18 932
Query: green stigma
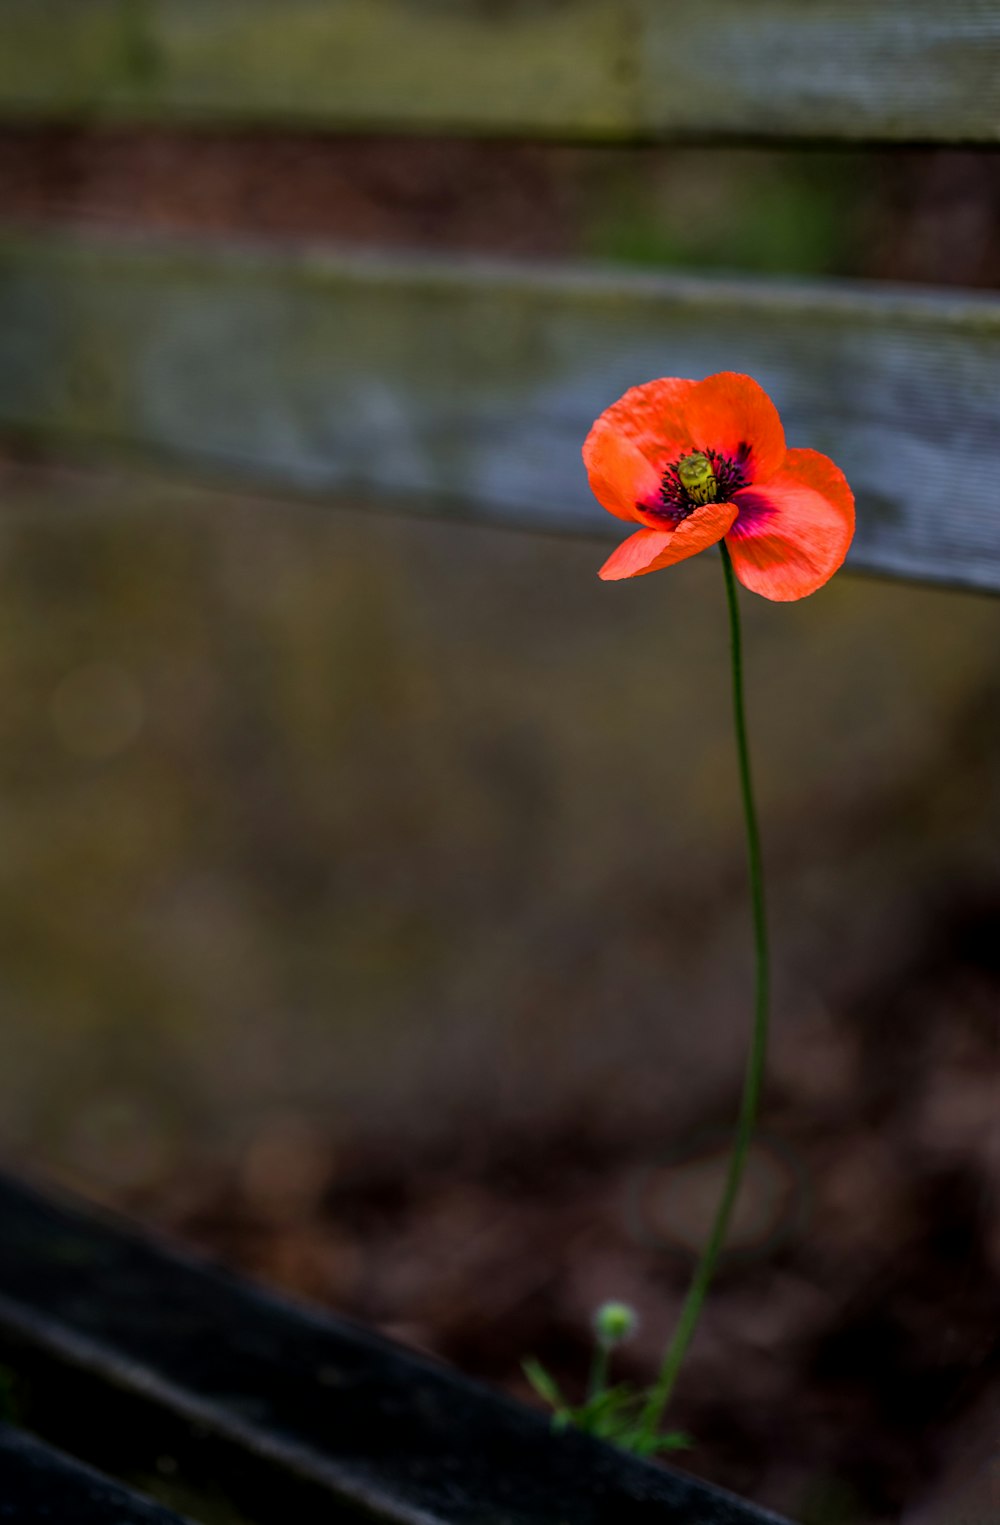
pixel 697 477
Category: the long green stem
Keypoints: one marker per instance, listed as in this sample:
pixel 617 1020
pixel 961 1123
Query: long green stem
pixel 663 1388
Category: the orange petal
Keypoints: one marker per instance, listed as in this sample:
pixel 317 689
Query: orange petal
pixel 794 531
pixel 734 415
pixel 632 442
pixel 650 416
pixel 648 550
pixel 621 478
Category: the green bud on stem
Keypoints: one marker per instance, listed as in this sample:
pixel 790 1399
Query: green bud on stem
pixel 614 1322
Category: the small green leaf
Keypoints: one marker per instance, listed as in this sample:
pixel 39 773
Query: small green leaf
pixel 677 1440
pixel 544 1384
pixel 653 1445
pixel 612 1400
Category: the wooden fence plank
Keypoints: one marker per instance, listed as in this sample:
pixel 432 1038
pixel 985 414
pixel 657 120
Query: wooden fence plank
pixel 896 70
pixel 128 1350
pixel 467 387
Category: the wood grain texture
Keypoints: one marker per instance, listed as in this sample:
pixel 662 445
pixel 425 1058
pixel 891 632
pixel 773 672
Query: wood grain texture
pixel 466 388
pixel 896 70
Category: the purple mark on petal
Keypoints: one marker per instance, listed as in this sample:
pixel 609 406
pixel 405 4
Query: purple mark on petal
pixel 663 518
pixel 754 512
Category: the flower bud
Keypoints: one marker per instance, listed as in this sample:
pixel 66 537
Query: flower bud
pixel 614 1322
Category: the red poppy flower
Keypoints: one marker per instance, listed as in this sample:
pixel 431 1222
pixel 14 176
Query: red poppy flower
pixel 695 462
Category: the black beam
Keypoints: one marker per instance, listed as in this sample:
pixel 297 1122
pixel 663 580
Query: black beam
pixel 40 1485
pixel 136 1356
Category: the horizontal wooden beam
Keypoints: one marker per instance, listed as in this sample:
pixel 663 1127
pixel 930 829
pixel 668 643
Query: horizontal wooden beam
pixel 466 387
pixel 876 70
pixel 134 1354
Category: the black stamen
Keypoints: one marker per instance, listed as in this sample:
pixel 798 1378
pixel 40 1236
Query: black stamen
pixel 730 475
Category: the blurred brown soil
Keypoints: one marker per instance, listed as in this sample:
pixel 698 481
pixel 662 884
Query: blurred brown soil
pixel 853 1335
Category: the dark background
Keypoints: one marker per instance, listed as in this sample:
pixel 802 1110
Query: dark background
pixel 372 902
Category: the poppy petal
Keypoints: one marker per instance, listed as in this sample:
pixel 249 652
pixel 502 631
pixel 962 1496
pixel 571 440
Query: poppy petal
pixel 794 531
pixel 621 478
pixel 648 550
pixel 732 414
pixel 649 418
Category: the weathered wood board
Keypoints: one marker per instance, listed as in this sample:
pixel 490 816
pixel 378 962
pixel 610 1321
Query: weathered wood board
pixel 467 388
pixel 811 69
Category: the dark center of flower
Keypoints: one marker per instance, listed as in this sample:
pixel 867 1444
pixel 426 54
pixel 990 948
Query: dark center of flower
pixel 705 476
pixel 695 474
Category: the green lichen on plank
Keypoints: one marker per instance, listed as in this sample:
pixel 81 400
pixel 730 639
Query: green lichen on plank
pixel 66 61
pixel 544 67
pixel 855 70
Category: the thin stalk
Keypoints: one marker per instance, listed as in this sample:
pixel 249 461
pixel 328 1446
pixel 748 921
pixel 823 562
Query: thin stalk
pixel 662 1391
pixel 598 1380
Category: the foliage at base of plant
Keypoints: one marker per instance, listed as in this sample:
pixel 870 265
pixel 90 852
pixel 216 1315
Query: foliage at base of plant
pixel 613 1414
